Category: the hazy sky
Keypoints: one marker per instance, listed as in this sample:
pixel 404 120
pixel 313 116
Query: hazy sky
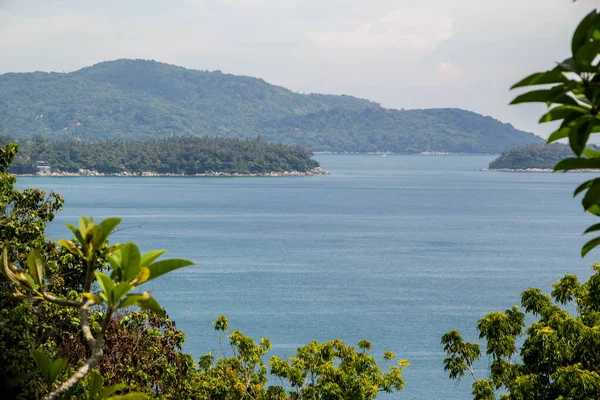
pixel 400 53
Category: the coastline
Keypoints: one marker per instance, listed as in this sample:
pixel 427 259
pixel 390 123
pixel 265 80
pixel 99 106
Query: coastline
pixel 90 173
pixel 517 170
pixel 533 170
pixel 390 153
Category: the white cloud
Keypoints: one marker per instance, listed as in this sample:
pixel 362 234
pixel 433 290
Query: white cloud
pixel 450 72
pixel 407 29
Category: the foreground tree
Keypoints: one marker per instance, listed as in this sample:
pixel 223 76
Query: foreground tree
pixel 330 370
pixel 560 354
pixel 559 357
pixel 31 278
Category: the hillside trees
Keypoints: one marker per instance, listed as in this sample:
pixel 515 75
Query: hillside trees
pixel 177 155
pixel 142 100
pixel 536 155
pixel 58 283
pixel 560 353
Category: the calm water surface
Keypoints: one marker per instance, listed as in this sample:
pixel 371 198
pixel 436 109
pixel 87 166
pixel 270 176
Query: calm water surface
pixel 396 249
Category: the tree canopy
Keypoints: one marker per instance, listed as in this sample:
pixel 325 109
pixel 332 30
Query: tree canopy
pixel 531 156
pixel 176 155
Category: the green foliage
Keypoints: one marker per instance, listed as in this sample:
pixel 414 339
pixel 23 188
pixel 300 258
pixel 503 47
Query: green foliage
pixel 50 369
pixel 127 273
pixel 141 100
pixel 178 155
pixel 143 350
pixel 329 370
pixel 575 101
pixel 560 354
pixel 531 156
pixel 29 270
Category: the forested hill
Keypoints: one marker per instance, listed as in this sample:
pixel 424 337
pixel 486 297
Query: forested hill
pixel 140 100
pixel 538 156
pixel 178 155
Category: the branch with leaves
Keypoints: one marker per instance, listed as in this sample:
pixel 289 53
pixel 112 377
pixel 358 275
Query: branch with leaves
pixel 128 270
pixel 560 355
pixel 574 100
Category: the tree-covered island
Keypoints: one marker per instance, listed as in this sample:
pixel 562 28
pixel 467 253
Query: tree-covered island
pixel 171 156
pixel 536 156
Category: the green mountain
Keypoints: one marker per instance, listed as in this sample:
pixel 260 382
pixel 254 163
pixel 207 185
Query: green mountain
pixel 140 100
pixel 536 155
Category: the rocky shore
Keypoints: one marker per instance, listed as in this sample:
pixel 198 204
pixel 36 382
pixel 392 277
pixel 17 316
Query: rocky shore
pixel 517 170
pixel 532 170
pixel 85 172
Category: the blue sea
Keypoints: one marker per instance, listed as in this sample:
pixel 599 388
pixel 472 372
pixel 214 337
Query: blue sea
pixel 396 249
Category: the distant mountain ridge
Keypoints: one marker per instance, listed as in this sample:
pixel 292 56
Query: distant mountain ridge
pixel 139 100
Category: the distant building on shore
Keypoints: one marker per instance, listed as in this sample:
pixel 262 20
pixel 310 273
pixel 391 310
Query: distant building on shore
pixel 42 167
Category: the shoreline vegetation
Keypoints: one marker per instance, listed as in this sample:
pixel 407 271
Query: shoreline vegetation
pixel 536 157
pixel 176 156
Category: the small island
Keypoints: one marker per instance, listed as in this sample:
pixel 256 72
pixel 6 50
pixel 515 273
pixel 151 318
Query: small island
pixel 176 156
pixel 536 157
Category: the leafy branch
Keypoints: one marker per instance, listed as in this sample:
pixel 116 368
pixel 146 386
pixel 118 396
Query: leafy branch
pixel 574 101
pixel 128 270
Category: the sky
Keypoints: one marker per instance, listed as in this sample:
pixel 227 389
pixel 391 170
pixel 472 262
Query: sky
pixel 400 53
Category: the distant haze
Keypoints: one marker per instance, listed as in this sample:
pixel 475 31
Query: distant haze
pixel 400 53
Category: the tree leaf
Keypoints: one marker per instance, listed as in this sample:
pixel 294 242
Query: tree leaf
pixel 85 224
pixel 119 291
pixel 543 78
pixel 589 246
pixel 149 257
pixel 562 112
pixel 558 134
pixel 106 284
pixel 586 55
pixel 36 267
pixel 71 247
pixel 581 35
pixel 150 303
pixel 130 396
pixel 535 96
pixel 586 185
pixel 141 277
pixel 130 261
pixel 95 384
pixel 50 369
pixel 579 135
pixel 103 230
pixel 568 65
pixel 572 163
pixel 110 390
pixel 591 153
pixel 130 300
pixel 592 228
pixel 162 267
pixel 592 197
pixel 43 362
pixel 94 297
pixel 77 234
